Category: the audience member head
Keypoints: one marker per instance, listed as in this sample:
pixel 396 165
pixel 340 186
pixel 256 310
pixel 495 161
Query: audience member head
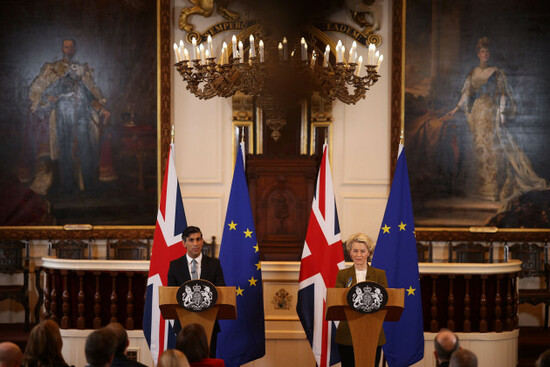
pixel 544 359
pixel 100 347
pixel 44 346
pixel 173 358
pixel 10 355
pixel 445 343
pixel 463 358
pixel 192 342
pixel 121 337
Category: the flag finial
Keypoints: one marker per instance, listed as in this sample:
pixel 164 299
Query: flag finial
pixel 402 137
pixel 173 134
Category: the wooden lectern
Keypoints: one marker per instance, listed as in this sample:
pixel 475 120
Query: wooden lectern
pixel 224 309
pixel 365 327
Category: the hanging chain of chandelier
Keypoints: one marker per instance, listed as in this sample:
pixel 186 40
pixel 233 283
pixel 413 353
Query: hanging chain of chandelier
pixel 209 75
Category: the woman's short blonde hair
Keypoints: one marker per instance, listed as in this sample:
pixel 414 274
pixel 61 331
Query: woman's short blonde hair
pixel 173 358
pixel 360 238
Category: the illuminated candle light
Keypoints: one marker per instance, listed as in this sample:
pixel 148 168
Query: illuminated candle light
pixel 241 51
pixel 252 52
pixel 343 50
pixel 209 41
pixel 313 59
pixel 359 64
pixel 185 54
pixel 280 47
pixel 285 49
pixel 224 54
pixel 176 53
pixel 327 55
pixel 339 52
pixel 201 49
pixel 353 53
pixel 234 43
pixel 194 42
pixel 376 57
pixel 380 59
pixel 372 48
pixel 261 51
pixel 303 49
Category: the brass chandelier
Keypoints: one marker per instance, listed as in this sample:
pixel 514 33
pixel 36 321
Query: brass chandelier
pixel 277 75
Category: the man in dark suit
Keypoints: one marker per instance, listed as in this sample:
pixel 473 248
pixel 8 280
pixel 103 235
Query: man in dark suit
pixel 196 265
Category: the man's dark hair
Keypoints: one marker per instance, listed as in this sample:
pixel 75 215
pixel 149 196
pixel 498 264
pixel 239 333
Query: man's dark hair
pixel 68 39
pixel 100 347
pixel 445 347
pixel 121 337
pixel 189 231
pixel 192 342
pixel 544 359
pixel 463 358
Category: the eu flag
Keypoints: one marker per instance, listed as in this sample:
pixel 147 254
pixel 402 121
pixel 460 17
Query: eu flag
pixel 395 253
pixel 242 340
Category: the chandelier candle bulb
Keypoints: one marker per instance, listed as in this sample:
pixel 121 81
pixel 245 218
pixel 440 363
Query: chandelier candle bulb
pixel 224 54
pixel 252 52
pixel 285 49
pixel 234 43
pixel 353 52
pixel 201 50
pixel 176 53
pixel 194 42
pixel 343 50
pixel 206 56
pixel 185 54
pixel 339 52
pixel 241 52
pixel 313 59
pixel 280 47
pixel 303 49
pixel 380 59
pixel 372 48
pixel 209 41
pixel 327 55
pixel 261 45
pixel 359 63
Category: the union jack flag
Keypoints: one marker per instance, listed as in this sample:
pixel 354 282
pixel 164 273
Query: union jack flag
pixel 322 257
pixel 167 246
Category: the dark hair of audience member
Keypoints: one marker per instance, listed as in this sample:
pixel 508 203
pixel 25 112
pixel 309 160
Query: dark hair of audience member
pixel 173 358
pixel 121 337
pixel 100 347
pixel 192 342
pixel 463 358
pixel 544 359
pixel 44 346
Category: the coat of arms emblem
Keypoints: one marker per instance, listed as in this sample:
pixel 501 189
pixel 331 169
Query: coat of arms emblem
pixel 197 295
pixel 367 297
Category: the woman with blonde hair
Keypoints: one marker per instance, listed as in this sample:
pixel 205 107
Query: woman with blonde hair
pixel 173 358
pixel 360 247
pixel 44 346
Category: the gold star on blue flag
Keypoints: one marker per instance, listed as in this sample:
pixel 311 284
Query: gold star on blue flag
pixel 395 253
pixel 243 340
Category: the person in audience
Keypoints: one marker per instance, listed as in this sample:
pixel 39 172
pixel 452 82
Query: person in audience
pixel 44 346
pixel 445 343
pixel 10 355
pixel 360 247
pixel 463 358
pixel 120 359
pixel 192 342
pixel 100 348
pixel 544 359
pixel 173 358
